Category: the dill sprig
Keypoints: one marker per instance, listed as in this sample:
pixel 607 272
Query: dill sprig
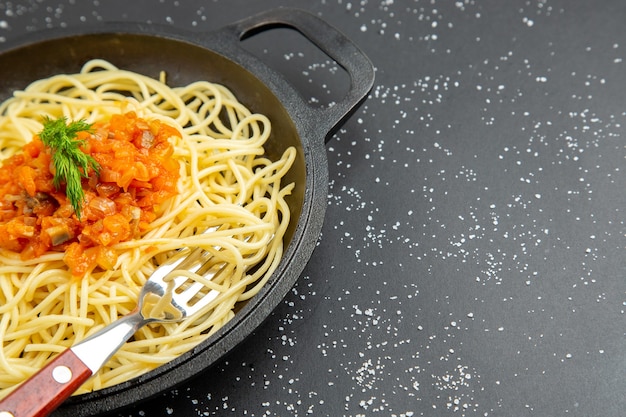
pixel 71 164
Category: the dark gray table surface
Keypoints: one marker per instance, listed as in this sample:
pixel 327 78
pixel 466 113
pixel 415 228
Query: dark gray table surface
pixel 472 259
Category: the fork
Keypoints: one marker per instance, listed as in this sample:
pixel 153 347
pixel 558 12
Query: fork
pixel 165 297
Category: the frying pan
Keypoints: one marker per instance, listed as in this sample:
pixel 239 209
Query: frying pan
pixel 216 56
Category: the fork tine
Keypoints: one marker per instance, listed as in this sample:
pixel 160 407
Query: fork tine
pixel 191 298
pixel 186 294
pixel 195 260
pixel 201 302
pixel 185 258
pixel 189 292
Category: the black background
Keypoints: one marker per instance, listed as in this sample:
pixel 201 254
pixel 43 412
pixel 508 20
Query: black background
pixel 472 259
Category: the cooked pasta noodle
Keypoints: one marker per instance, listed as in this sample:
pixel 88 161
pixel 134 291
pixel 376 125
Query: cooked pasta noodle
pixel 225 181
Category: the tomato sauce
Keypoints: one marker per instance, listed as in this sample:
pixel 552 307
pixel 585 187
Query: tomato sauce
pixel 137 174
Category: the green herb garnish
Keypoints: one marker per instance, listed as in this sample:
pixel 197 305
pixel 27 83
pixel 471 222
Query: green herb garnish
pixel 71 164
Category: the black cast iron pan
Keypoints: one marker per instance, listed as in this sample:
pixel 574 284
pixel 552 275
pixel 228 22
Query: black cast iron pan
pixel 216 56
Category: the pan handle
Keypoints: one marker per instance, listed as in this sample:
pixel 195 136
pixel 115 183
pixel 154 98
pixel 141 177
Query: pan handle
pixel 334 44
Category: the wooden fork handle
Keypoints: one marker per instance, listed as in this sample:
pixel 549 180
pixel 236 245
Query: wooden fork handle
pixel 48 388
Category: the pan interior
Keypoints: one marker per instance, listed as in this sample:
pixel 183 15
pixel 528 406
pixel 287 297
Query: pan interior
pixel 183 63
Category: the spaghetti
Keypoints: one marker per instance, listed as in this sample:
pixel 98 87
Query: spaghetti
pixel 224 181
